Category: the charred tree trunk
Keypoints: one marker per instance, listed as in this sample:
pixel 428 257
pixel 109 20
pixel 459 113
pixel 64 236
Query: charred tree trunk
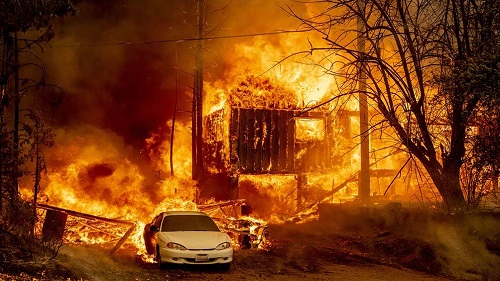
pixel 36 187
pixel 447 182
pixel 452 161
pixel 17 102
pixel 364 179
pixel 3 96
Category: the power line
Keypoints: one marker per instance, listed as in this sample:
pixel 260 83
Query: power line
pixel 180 40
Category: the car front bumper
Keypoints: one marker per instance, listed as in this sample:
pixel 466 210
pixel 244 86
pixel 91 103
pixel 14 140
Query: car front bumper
pixel 196 256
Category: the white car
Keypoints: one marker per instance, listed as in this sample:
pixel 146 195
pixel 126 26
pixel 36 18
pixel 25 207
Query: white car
pixel 187 237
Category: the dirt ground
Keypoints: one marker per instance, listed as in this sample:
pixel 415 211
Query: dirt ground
pixel 314 250
pixel 248 265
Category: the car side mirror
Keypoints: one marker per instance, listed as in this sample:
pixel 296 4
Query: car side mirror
pixel 153 228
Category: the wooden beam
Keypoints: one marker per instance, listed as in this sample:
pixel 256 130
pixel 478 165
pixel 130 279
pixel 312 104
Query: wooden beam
pixel 83 215
pixel 274 140
pixel 250 123
pixel 283 137
pixel 266 141
pixel 123 239
pixel 243 139
pixel 290 141
pixel 258 139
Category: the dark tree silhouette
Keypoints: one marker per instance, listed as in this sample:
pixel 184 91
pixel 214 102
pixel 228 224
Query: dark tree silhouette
pixel 414 58
pixel 24 26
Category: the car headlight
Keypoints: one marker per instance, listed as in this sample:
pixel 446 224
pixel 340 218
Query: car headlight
pixel 223 246
pixel 175 246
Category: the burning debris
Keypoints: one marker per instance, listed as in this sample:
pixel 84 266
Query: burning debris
pixel 246 232
pixel 81 228
pixel 84 228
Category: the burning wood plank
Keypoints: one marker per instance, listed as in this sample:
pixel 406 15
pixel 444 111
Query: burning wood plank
pixel 123 239
pixel 132 225
pixel 84 215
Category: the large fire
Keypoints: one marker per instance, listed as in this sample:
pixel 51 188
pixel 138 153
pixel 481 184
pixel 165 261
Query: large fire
pixel 93 171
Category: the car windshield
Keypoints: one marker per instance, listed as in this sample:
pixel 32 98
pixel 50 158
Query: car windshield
pixel 188 223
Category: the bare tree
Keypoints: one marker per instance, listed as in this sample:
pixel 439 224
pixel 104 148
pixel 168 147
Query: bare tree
pixel 413 51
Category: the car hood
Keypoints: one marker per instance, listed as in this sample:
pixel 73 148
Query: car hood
pixel 195 239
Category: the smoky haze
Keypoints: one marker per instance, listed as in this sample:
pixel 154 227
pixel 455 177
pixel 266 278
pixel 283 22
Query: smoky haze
pixel 126 88
pixel 113 121
pixel 113 80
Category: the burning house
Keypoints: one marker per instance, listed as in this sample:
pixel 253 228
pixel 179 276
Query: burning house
pixel 258 131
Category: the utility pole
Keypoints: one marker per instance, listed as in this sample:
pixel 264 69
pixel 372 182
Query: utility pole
pixel 173 119
pixel 364 175
pixel 197 166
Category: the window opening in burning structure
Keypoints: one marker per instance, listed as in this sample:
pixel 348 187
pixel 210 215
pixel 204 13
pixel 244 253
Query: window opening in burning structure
pixel 309 143
pixel 309 129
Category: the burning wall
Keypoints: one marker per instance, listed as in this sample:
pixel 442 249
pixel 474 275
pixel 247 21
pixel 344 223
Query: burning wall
pixel 260 141
pixel 271 141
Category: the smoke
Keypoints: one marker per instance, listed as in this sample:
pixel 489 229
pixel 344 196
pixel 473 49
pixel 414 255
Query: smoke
pixel 466 255
pixel 112 79
pixel 461 243
pixel 120 80
pixel 126 88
